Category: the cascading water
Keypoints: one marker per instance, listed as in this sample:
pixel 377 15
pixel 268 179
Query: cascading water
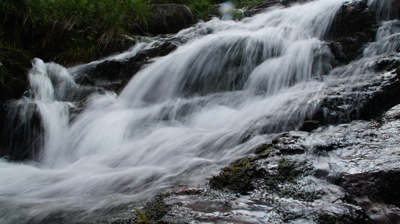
pixel 184 116
pixel 385 9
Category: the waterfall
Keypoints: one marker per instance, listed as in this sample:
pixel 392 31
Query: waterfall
pixel 385 9
pixel 177 121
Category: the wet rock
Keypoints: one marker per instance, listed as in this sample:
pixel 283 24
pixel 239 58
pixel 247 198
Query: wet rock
pixel 119 43
pixel 363 100
pixel 114 75
pixel 262 7
pixel 234 178
pixel 14 66
pixel 110 70
pixel 289 143
pixel 381 186
pixel 156 208
pixel 386 10
pixel 189 191
pixel 310 125
pixel 330 218
pixel 346 49
pixel 380 213
pixel 354 16
pixel 170 18
pixel 23 136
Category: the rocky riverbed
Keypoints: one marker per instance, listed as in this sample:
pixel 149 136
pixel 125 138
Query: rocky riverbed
pixel 281 117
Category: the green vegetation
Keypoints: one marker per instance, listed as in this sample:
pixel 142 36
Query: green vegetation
pixel 84 27
pixel 68 31
pixel 142 217
pixel 206 9
pixel 234 178
pixel 154 210
pixel 71 31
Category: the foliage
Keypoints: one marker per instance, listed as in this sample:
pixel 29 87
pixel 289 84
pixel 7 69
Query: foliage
pixel 34 25
pixel 201 9
pixel 142 217
pixel 13 67
pixel 247 4
pixel 206 9
pixel 84 27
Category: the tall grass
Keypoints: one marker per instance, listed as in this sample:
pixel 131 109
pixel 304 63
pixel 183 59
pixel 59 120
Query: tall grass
pixel 205 9
pixel 39 26
pixel 92 22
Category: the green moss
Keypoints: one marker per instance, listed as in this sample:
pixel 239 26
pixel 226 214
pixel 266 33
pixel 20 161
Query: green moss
pixel 301 195
pixel 287 169
pixel 156 208
pixel 264 148
pixel 287 172
pixel 234 178
pixel 327 218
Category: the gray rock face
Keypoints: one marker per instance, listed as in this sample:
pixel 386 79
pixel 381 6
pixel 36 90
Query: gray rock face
pixel 170 18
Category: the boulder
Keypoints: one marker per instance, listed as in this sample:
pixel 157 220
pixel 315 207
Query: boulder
pixel 23 133
pixel 114 75
pixel 381 186
pixel 14 65
pixel 354 16
pixel 346 49
pixel 363 100
pixel 170 18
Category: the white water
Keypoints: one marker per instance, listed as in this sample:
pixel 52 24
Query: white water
pixel 384 9
pixel 178 120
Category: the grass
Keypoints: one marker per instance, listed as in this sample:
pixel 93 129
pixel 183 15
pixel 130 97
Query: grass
pixel 70 31
pixel 35 25
pixel 142 217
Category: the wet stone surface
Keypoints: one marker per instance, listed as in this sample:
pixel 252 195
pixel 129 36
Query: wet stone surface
pixel 347 173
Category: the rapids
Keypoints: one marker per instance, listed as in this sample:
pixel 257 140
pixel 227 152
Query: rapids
pixel 179 119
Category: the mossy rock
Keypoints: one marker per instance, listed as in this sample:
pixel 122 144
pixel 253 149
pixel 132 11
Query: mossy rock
pixel 156 208
pixel 328 218
pixel 235 177
pixel 292 191
pixel 264 148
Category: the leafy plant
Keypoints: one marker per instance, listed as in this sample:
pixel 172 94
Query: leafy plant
pixel 142 217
